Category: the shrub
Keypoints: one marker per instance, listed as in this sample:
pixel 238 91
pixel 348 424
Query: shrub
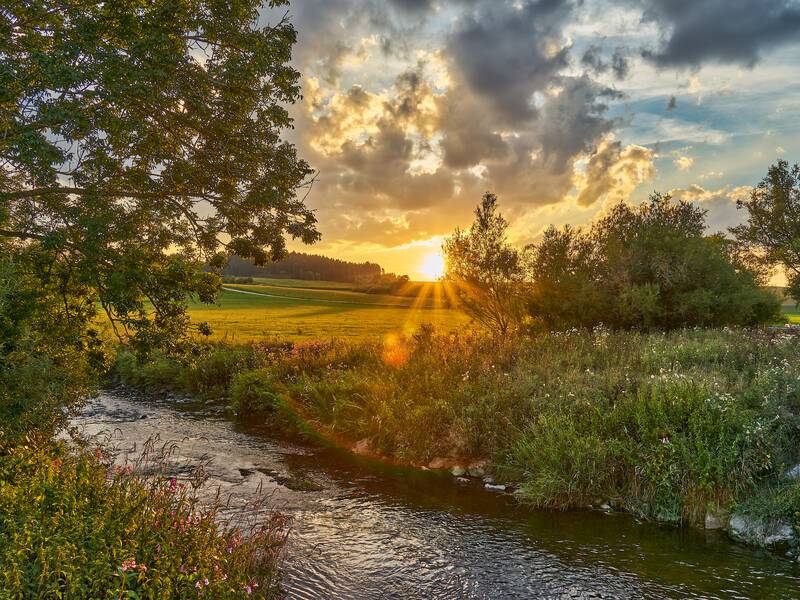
pixel 211 374
pixel 254 393
pixel 158 373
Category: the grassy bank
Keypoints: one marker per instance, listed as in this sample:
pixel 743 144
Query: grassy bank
pixel 666 426
pixel 73 526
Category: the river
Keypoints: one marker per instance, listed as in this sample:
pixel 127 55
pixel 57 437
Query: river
pixel 366 530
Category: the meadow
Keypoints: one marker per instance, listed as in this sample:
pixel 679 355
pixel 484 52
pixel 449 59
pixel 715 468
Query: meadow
pixel 287 310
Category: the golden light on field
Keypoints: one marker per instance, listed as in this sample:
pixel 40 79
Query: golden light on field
pixel 432 267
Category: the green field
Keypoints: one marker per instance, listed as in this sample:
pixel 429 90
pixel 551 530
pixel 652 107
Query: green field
pixel 303 283
pixel 791 312
pixel 297 309
pixel 320 312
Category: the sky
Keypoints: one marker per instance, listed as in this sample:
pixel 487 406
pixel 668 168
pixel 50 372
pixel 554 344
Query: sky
pixel 412 109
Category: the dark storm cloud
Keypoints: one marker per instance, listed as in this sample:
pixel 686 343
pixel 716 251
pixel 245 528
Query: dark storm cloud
pixel 593 60
pixel 727 31
pixel 505 53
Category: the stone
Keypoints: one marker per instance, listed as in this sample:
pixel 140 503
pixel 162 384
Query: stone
pixel 749 530
pixel 361 447
pixel 715 520
pixel 438 463
pixel 462 480
pixel 495 487
pixel 477 468
pixel 605 507
pixel 458 471
pixel 794 472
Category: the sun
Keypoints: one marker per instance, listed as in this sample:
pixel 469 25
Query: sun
pixel 432 267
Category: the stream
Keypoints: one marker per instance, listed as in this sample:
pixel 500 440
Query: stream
pixel 363 530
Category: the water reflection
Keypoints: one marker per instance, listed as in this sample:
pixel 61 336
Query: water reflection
pixel 365 530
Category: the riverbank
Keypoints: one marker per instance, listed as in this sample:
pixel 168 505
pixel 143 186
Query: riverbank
pixel 370 530
pixel 688 427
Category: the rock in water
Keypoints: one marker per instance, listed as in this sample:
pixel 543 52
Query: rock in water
pixel 715 520
pixel 794 472
pixel 495 487
pixel 747 529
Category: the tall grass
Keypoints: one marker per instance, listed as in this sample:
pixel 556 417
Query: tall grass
pixel 668 426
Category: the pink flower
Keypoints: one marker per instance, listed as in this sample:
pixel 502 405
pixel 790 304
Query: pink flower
pixel 248 589
pixel 128 564
pixel 173 485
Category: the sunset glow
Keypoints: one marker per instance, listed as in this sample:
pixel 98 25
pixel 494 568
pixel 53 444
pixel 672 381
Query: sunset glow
pixel 432 267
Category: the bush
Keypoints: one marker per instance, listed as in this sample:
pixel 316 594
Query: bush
pixel 73 527
pixel 159 373
pixel 253 393
pixel 211 374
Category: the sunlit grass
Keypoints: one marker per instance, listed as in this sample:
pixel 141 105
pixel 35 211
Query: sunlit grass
pixel 240 318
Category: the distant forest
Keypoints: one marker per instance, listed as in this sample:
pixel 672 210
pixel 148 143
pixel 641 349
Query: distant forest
pixel 314 267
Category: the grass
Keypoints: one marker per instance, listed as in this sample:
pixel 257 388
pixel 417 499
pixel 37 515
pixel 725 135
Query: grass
pixel 241 318
pixel 666 426
pixel 303 283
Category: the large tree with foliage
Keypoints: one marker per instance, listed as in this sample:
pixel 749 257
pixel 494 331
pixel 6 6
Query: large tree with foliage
pixel 485 270
pixel 771 235
pixel 138 141
pixel 650 266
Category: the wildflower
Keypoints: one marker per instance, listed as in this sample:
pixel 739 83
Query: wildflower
pixel 248 589
pixel 173 485
pixel 128 564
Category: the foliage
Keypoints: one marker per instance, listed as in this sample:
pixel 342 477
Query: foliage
pixel 300 265
pixel 667 426
pixel 47 359
pixel 138 140
pixel 73 526
pixel 644 267
pixel 485 269
pixel 771 235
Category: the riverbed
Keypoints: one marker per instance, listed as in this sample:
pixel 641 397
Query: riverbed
pixel 363 530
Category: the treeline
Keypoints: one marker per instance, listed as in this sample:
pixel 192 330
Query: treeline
pixel 650 266
pixel 298 265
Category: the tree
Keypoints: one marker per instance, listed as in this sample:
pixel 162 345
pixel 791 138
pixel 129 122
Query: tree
pixel 645 267
pixel 771 235
pixel 486 270
pixel 138 142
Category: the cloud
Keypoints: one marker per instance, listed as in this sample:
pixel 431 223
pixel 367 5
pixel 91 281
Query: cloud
pixel 507 52
pixel 684 163
pixel 720 204
pixel 619 63
pixel 612 172
pixel 725 31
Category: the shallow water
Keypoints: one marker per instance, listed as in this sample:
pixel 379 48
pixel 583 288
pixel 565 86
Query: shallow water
pixel 374 531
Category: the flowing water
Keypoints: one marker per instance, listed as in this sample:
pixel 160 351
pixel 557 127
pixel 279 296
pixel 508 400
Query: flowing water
pixel 363 530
